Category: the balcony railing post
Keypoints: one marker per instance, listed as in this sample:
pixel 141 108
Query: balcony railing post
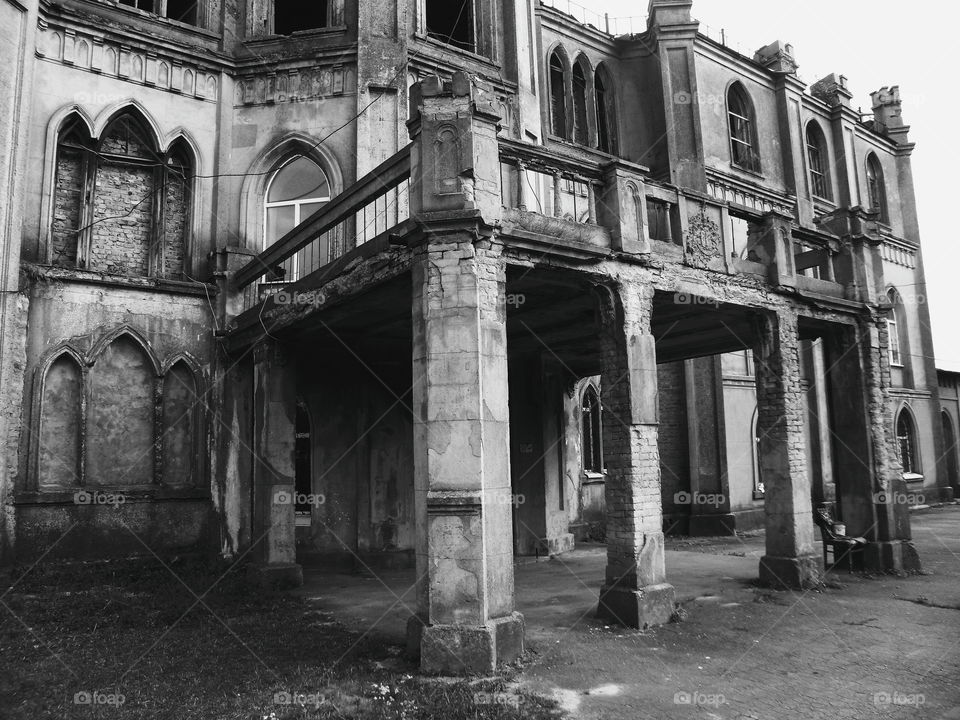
pixel 521 185
pixel 557 194
pixel 592 201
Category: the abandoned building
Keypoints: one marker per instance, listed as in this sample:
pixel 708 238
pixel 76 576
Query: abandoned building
pixel 435 284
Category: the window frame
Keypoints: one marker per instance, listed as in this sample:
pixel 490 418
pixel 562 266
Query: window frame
pixel 876 187
pixel 912 468
pixel 591 431
pixel 558 102
pixel 93 157
pixel 894 343
pixel 161 10
pixel 742 130
pixel 296 204
pixel 818 164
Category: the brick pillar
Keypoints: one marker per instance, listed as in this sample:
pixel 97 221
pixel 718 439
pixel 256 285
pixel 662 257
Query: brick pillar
pixel 635 592
pixel 790 560
pixel 465 614
pixel 274 408
pixel 872 498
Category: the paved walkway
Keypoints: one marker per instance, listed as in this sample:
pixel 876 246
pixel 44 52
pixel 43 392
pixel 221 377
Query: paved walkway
pixel 864 647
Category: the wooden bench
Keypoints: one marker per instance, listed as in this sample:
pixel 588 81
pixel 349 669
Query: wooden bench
pixel 841 546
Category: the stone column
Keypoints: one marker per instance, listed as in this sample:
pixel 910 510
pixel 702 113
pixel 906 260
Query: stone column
pixel 274 411
pixel 790 560
pixel 465 618
pixel 635 592
pixel 872 496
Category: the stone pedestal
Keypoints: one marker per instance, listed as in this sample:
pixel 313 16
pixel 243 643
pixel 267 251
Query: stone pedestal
pixel 635 592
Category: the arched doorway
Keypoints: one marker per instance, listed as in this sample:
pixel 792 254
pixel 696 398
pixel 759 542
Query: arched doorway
pixel 950 448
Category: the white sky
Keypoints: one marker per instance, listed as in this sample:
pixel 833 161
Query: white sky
pixel 874 43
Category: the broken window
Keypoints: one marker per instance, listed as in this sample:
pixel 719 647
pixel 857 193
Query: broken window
pixel 120 206
pixel 290 16
pixel 185 11
pixel 876 190
pixel 743 131
pixel 558 96
pixel 605 114
pixel 817 157
pixel 893 329
pixel 580 130
pixel 590 428
pixel 451 22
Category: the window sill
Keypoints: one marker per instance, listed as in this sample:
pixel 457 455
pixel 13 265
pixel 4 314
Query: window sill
pixel 441 46
pixel 912 477
pixel 180 287
pixel 589 477
pixel 297 35
pixel 136 494
pixel 749 171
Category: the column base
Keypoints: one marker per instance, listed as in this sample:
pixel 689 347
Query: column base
pixel 713 525
pixel 466 649
pixel 640 608
pixel 276 576
pixel 898 556
pixel 791 573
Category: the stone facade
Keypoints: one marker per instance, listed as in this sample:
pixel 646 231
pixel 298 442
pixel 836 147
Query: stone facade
pixel 192 345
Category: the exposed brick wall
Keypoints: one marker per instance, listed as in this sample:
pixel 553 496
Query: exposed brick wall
pixel 68 201
pixel 672 438
pixel 123 219
pixel 174 226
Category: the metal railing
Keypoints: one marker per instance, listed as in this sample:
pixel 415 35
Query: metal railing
pixel 615 26
pixel 371 206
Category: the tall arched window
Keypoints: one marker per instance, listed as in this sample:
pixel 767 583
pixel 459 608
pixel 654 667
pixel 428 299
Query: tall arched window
pixel 581 131
pixel 743 130
pixel 894 327
pixel 817 158
pixel 907 443
pixel 120 205
pixel 296 191
pixel 603 93
pixel 558 95
pixel 759 489
pixel 591 431
pixel 876 188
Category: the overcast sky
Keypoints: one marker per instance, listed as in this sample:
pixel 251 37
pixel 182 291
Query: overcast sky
pixel 874 43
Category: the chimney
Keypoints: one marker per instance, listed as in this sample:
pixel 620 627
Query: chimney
pixel 669 12
pixel 832 90
pixel 886 108
pixel 777 57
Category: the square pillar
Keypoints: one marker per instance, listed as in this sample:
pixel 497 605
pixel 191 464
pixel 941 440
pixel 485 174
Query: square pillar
pixel 790 560
pixel 635 592
pixel 872 497
pixel 274 410
pixel 465 619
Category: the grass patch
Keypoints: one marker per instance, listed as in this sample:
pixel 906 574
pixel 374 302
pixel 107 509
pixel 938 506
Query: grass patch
pixel 132 630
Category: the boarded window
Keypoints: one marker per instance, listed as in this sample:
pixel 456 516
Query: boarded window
pixel 120 417
pixel 60 424
pixel 179 425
